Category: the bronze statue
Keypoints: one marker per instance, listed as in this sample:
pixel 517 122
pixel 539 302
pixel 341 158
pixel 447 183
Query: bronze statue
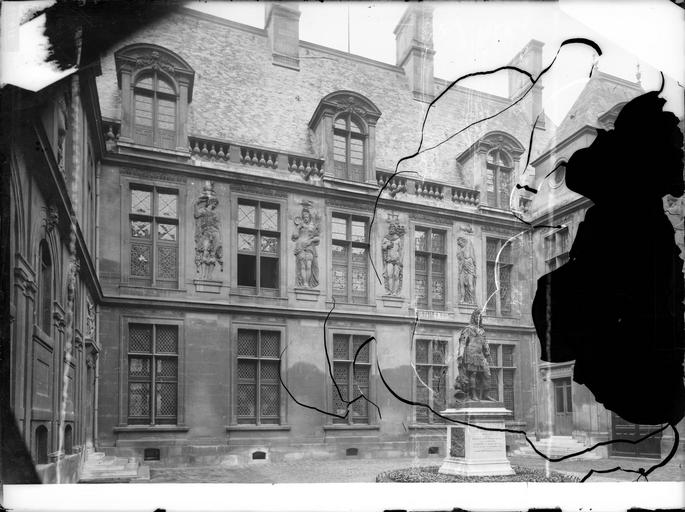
pixel 473 381
pixel 306 239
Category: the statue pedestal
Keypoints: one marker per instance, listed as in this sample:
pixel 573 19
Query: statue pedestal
pixel 472 451
pixel 309 294
pixel 207 286
pixel 392 301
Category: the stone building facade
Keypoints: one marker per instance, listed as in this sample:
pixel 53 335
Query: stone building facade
pixel 54 146
pixel 244 223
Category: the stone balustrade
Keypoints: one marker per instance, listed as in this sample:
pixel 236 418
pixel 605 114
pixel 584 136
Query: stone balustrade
pixel 398 184
pixel 429 190
pixel 466 196
pixel 208 149
pixel 258 157
pixel 305 167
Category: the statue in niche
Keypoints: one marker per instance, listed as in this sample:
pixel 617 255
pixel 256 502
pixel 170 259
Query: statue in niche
pixel 473 381
pixel 392 249
pixel 90 320
pixel 62 127
pixel 208 248
pixel 306 239
pixel 467 270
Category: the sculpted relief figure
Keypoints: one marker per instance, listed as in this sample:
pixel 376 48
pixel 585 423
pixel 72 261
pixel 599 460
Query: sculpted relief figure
pixel 473 381
pixel 306 239
pixel 393 248
pixel 467 270
pixel 208 248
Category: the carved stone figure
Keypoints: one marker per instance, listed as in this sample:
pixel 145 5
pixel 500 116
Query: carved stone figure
pixel 306 239
pixel 392 249
pixel 467 270
pixel 90 320
pixel 62 127
pixel 208 247
pixel 473 381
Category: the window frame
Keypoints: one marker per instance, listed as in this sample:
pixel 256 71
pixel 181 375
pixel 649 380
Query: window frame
pixel 350 265
pixel 155 94
pixel 497 370
pixel 155 188
pixel 429 254
pixel 258 289
pixel 372 414
pixel 557 248
pixel 348 134
pixel 46 288
pixel 430 418
pixel 498 309
pixel 497 172
pixel 234 380
pixel 124 370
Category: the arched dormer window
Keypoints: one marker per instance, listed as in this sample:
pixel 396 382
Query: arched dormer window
pixel 156 88
pixel 349 140
pixel 344 126
pixel 45 277
pixel 493 162
pixel 154 111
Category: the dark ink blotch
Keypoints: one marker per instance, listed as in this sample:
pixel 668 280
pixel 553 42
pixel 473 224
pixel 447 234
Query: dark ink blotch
pixel 616 307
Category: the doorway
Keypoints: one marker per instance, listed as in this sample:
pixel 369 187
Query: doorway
pixel 622 429
pixel 563 407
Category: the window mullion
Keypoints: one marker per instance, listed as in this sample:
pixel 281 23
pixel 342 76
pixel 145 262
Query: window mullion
pixel 153 367
pixel 153 232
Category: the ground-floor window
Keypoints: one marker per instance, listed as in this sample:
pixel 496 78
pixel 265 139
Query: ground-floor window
pixel 430 379
pixel 258 398
pixel 351 380
pixel 502 372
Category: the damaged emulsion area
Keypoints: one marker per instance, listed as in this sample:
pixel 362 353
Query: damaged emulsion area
pixel 616 307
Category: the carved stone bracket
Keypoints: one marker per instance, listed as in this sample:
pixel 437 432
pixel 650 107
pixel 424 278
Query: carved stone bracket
pixel 51 218
pixel 307 294
pixel 207 286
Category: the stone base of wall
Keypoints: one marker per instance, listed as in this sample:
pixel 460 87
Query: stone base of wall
pixel 69 470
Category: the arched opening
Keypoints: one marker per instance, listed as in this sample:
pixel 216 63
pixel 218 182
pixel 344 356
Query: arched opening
pixel 45 290
pixel 41 445
pixel 154 111
pixel 68 440
pixel 349 141
pixel 499 168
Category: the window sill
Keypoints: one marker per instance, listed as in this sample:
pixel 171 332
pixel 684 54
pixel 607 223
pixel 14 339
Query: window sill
pixel 155 288
pixel 153 149
pixel 329 304
pixel 433 426
pixel 249 428
pixel 151 428
pixel 255 296
pixel 359 426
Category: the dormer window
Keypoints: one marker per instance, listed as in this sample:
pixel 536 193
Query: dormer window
pixel 498 175
pixel 348 148
pixel 154 111
pixel 344 126
pixel 156 87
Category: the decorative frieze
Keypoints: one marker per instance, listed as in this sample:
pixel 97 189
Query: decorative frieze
pixel 152 175
pixel 262 191
pixel 433 219
pixel 350 205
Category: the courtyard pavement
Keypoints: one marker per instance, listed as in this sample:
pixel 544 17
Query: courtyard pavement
pixel 365 470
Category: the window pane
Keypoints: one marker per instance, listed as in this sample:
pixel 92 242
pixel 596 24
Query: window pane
pixel 166 367
pixel 167 262
pixel 339 252
pixel 246 215
pixel 166 205
pixel 438 264
pixel 356 151
pixel 490 277
pixel 420 288
pixel 358 231
pixel 341 123
pixel 422 351
pixel 505 255
pixel 247 370
pixel 166 232
pixel 140 229
pixel 145 82
pixel 246 242
pixel 139 399
pixel 247 342
pixel 164 86
pixel 494 354
pixel 358 341
pixel 341 346
pixel 140 260
pixel 559 397
pixel 439 348
pixel 167 339
pixel 247 270
pixel 141 201
pixel 143 110
pixel 270 403
pixel 139 366
pixel 341 374
pixel 268 371
pixel 269 218
pixel 247 400
pixel 492 247
pixel 359 254
pixel 268 268
pixel 270 343
pixel 438 242
pixel 505 287
pixel 269 244
pixel 340 281
pixel 166 114
pixel 421 263
pixel 494 384
pixel 339 148
pixel 354 127
pixel 339 228
pixel 359 277
pixel 438 289
pixel 139 338
pixel 507 355
pixel 166 399
pixel 569 397
pixel 504 188
pixel 420 240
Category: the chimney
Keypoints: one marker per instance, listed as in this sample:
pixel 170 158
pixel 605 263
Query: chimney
pixel 282 24
pixel 414 50
pixel 528 59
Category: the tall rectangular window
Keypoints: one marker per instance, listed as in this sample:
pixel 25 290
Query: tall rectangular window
pixel 557 247
pixel 258 398
pixel 350 248
pixel 153 224
pixel 258 246
pixel 152 374
pixel 502 371
pixel 499 302
pixel 352 380
pixel 429 268
pixel 430 380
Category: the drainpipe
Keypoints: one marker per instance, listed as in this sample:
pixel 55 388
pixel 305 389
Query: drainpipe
pixel 533 352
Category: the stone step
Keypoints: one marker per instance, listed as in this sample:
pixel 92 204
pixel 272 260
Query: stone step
pixel 111 469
